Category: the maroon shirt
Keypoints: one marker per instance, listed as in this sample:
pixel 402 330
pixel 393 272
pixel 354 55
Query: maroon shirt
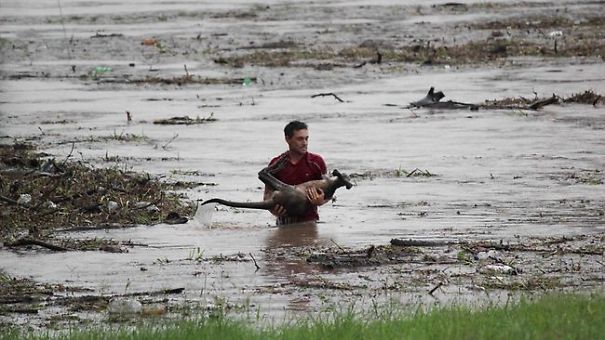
pixel 310 167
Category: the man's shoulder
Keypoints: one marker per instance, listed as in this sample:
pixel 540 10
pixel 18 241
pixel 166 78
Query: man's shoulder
pixel 314 157
pixel 278 157
pixel 317 161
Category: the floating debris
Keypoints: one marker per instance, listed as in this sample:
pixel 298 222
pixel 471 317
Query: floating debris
pixel 39 194
pixel 185 120
pixel 586 97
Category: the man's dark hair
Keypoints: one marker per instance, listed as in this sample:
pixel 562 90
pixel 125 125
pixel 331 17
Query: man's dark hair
pixel 294 126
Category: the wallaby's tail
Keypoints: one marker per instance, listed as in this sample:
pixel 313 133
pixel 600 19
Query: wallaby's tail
pixel 266 205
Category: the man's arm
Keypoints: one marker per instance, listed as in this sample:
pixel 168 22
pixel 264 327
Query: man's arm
pixel 316 196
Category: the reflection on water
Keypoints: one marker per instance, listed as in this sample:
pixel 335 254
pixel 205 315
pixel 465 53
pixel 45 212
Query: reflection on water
pixel 294 235
pixel 285 260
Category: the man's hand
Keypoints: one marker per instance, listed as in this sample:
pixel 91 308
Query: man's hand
pixel 316 196
pixel 279 211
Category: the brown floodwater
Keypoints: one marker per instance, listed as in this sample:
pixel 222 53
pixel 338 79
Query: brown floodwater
pixel 496 175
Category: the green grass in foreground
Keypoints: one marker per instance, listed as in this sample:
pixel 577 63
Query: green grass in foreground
pixel 551 317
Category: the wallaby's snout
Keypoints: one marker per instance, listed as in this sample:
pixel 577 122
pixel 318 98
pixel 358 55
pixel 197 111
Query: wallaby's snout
pixel 343 178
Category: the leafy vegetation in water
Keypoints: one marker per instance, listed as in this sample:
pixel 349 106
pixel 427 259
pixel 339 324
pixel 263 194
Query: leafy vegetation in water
pixel 39 194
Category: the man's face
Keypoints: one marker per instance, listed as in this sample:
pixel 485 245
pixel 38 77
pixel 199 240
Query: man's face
pixel 299 141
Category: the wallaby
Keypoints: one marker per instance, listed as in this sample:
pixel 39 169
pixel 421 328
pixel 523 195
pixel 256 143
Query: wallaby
pixel 292 197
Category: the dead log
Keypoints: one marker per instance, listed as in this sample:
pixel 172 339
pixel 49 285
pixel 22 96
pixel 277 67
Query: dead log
pixel 541 103
pixel 31 241
pixel 158 292
pixel 419 243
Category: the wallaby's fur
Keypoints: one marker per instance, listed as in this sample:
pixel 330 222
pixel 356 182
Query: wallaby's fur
pixel 292 197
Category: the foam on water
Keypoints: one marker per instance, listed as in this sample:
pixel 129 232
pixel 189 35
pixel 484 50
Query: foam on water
pixel 203 215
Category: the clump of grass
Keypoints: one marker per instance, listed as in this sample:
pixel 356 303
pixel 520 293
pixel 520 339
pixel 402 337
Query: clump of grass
pixel 584 176
pixel 474 52
pixel 125 137
pixel 552 317
pixel 4 42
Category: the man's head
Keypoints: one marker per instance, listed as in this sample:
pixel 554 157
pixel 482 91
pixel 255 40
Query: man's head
pixel 297 137
pixel 293 126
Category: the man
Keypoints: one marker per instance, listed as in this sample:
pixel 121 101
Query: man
pixel 299 166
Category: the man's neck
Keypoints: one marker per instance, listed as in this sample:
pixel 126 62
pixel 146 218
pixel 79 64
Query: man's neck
pixel 295 157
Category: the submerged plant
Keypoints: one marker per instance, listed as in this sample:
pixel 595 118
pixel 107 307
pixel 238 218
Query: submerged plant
pixel 196 254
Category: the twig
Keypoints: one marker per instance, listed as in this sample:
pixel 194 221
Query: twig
pixel 412 172
pixel 435 288
pixel 73 145
pixel 360 65
pixel 255 264
pixel 64 30
pixel 339 247
pixel 328 94
pixel 170 141
pixel 8 200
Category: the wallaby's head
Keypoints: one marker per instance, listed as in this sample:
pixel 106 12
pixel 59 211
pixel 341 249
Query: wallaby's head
pixel 342 180
pixel 333 183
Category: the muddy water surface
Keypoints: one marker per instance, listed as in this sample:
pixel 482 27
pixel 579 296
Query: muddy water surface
pixel 488 175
